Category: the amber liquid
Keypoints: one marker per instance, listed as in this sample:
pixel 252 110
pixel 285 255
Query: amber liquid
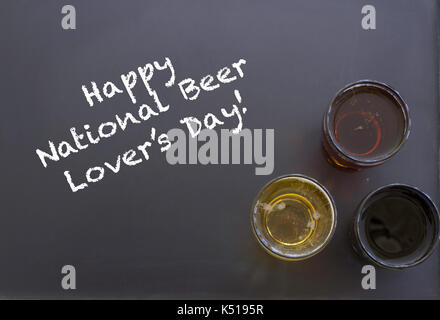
pixel 368 123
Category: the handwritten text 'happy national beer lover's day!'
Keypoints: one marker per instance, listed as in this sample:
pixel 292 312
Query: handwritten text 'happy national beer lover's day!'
pixel 171 141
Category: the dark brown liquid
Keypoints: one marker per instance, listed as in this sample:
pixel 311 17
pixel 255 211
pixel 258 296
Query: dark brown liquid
pixel 396 226
pixel 368 123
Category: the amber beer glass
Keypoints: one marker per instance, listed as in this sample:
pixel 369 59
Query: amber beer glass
pixel 366 123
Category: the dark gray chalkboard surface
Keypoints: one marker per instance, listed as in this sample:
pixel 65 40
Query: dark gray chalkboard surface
pixel 162 231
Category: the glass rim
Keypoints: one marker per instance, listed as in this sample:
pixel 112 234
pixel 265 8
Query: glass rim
pixel 433 242
pixel 321 246
pixel 399 101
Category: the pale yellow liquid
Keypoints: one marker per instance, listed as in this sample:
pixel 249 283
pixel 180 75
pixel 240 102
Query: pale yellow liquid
pixel 293 217
pixel 289 219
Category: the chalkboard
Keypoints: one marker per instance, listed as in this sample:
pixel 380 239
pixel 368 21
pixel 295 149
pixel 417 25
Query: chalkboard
pixel 159 230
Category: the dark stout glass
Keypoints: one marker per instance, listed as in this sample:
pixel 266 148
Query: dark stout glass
pixel 396 226
pixel 366 123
